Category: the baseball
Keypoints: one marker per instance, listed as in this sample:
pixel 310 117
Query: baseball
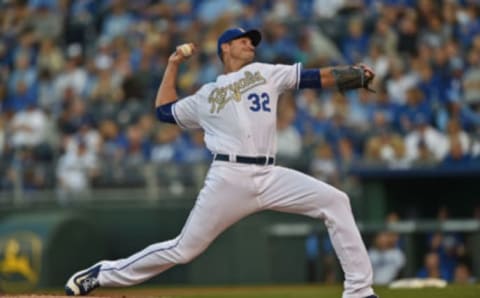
pixel 186 49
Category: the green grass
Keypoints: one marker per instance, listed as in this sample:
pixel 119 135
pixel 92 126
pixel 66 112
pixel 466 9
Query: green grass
pixel 314 291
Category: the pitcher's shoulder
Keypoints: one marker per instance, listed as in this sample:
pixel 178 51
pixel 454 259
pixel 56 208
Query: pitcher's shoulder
pixel 207 88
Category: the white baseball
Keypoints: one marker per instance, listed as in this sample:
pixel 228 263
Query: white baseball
pixel 186 49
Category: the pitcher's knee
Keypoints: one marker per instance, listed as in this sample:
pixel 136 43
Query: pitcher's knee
pixel 342 198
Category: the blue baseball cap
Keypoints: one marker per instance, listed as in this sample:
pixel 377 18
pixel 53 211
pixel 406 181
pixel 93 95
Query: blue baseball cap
pixel 235 33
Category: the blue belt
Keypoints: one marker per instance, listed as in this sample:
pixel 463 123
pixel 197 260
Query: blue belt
pixel 258 160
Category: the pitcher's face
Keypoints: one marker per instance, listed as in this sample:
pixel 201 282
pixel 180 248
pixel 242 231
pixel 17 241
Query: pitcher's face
pixel 239 49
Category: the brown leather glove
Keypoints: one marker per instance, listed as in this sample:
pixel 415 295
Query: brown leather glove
pixel 353 77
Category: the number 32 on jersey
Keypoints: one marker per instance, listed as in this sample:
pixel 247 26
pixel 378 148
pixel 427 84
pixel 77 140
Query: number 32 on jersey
pixel 259 102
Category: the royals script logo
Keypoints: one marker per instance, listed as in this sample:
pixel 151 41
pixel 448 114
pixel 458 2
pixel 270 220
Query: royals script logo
pixel 219 97
pixel 20 258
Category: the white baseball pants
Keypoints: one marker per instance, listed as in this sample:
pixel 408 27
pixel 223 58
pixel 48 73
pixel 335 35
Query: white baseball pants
pixel 231 192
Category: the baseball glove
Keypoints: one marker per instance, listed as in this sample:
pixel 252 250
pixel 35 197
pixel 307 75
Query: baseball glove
pixel 353 77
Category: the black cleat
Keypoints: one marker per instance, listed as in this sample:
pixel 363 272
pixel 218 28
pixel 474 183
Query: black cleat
pixel 83 282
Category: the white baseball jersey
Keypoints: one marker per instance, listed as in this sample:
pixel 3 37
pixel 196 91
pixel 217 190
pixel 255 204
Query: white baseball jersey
pixel 238 111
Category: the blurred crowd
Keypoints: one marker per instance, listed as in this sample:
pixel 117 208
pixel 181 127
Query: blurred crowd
pixel 78 80
pixel 445 255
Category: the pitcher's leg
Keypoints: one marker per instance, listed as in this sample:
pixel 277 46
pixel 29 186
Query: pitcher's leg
pixel 294 192
pixel 149 262
pixel 225 199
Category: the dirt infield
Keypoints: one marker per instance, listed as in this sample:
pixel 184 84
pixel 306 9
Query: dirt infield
pixel 61 296
pixel 42 296
pixel 55 296
pixel 283 291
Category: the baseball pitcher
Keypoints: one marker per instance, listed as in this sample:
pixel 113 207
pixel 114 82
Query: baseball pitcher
pixel 238 115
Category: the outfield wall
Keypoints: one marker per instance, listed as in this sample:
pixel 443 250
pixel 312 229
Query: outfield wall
pixel 263 248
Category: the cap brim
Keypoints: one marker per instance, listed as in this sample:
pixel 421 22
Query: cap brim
pixel 254 35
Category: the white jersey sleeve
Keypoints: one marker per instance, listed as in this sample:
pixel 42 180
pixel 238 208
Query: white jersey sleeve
pixel 185 112
pixel 285 77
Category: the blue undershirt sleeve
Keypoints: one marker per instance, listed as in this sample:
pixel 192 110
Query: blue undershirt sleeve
pixel 164 113
pixel 310 78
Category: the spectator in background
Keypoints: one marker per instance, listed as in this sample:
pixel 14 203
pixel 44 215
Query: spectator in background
pixel 46 21
pixel 25 44
pixel 27 128
pixel 377 57
pixel 456 156
pixel 24 172
pixel 47 98
pixel 16 16
pixel 443 72
pixel 385 35
pixel 50 57
pixel 360 110
pixel 408 32
pixel 118 20
pixel 308 106
pixel 450 24
pixel 455 131
pixel 326 9
pixel 432 269
pixel 401 80
pixel 75 171
pixel 386 148
pixel 79 20
pixel 469 24
pixel 329 262
pixel 196 156
pixel 138 148
pixel 289 140
pixel 75 113
pixel 355 44
pixel 279 45
pixel 469 119
pixel 312 251
pixel 22 84
pixel 428 81
pixel 435 141
pixel 324 165
pixel 425 158
pixel 74 75
pixel 433 34
pixel 415 106
pixel 114 142
pixel 463 275
pixel 387 259
pixel 449 247
pixel 194 151
pixel 346 155
pixel 164 148
pixel 105 85
pixel 87 134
